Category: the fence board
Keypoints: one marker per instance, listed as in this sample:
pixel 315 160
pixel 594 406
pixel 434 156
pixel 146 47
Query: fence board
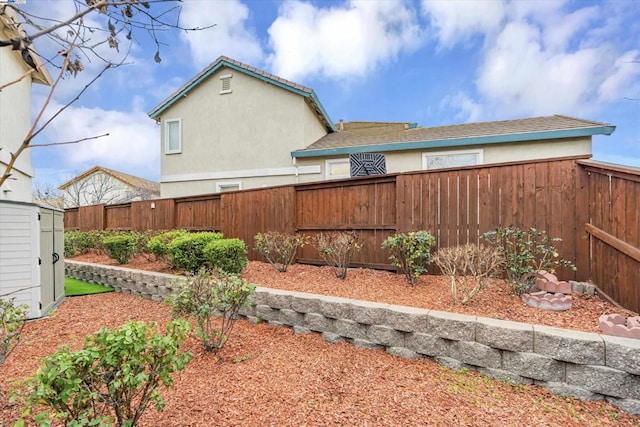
pixel 559 196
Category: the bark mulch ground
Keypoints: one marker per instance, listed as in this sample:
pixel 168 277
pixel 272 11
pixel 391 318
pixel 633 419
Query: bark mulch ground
pixel 270 376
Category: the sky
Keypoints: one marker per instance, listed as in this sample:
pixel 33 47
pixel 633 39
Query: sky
pixel 430 62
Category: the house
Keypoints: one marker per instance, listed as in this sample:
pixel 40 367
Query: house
pixel 408 147
pixel 15 108
pixel 100 185
pixel 234 127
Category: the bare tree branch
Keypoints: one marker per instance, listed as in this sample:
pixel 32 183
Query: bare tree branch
pixel 78 45
pixel 88 138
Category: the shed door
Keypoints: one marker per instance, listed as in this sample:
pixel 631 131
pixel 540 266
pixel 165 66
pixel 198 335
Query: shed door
pixel 47 283
pixel 58 248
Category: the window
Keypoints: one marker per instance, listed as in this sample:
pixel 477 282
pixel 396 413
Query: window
pixel 451 159
pixel 225 83
pixel 228 186
pixel 337 169
pixel 172 135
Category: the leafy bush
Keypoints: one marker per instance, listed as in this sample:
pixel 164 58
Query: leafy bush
pixel 12 319
pixel 410 252
pixel 279 248
pixel 81 242
pixel 229 255
pixel 206 296
pixel 525 253
pixel 121 247
pixel 187 252
pixel 159 244
pixel 112 380
pixel 337 250
pixel 469 268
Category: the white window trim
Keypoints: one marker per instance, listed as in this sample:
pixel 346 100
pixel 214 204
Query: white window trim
pixel 478 151
pixel 327 168
pixel 222 77
pixel 166 136
pixel 220 185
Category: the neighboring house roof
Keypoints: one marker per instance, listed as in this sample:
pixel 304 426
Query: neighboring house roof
pixel 131 180
pixel 358 137
pixel 223 61
pixel 10 29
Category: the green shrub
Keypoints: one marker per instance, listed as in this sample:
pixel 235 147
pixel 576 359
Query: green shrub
pixel 187 252
pixel 81 242
pixel 12 319
pixel 279 248
pixel 469 268
pixel 229 255
pixel 206 296
pixel 159 244
pixel 337 250
pixel 121 247
pixel 112 380
pixel 525 253
pixel 410 252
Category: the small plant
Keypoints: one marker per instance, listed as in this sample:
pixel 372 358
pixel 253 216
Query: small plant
pixel 187 252
pixel 279 248
pixel 121 247
pixel 207 296
pixel 410 252
pixel 337 250
pixel 112 380
pixel 12 318
pixel 229 255
pixel 159 244
pixel 469 268
pixel 525 253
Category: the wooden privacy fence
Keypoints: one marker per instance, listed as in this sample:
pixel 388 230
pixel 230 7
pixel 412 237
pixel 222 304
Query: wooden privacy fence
pixel 563 196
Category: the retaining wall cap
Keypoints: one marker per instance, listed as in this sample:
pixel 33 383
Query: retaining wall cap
pixel 409 310
pixel 567 333
pixel 452 316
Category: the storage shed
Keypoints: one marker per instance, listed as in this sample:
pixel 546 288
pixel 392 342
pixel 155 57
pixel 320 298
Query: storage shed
pixel 31 255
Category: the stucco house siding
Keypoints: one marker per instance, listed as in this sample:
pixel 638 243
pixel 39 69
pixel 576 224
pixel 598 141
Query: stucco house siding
pixel 253 128
pixel 404 161
pixel 15 119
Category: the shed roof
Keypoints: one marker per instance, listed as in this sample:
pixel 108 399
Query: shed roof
pixel 357 137
pixel 223 61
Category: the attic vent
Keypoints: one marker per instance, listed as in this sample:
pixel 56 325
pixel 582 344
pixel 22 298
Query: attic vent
pixel 225 83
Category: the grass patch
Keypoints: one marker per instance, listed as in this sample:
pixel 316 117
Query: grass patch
pixel 74 288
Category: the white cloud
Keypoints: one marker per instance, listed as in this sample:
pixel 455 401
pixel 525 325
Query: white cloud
pixel 132 145
pixel 230 35
pixel 457 21
pixel 340 42
pixel 538 58
pixel 469 110
pixel 624 79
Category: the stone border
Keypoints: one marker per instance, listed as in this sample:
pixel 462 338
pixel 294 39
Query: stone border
pixel 580 364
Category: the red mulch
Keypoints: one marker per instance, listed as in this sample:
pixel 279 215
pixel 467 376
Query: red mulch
pixel 271 376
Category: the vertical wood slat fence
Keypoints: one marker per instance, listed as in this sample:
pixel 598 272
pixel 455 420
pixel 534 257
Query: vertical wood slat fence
pixel 569 198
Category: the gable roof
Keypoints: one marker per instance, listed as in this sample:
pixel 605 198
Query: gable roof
pixel 131 180
pixel 223 61
pixel 381 137
pixel 10 29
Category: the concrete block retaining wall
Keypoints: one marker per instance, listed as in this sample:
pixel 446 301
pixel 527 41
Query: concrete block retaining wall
pixel 574 363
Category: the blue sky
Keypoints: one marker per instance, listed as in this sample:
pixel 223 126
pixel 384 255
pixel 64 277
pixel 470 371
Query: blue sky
pixel 430 62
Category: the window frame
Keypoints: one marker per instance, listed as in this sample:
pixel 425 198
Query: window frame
pixel 167 134
pixel 327 168
pixel 478 151
pixel 220 185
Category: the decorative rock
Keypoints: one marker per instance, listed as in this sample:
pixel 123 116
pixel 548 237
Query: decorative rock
pixel 548 301
pixel 549 282
pixel 618 325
